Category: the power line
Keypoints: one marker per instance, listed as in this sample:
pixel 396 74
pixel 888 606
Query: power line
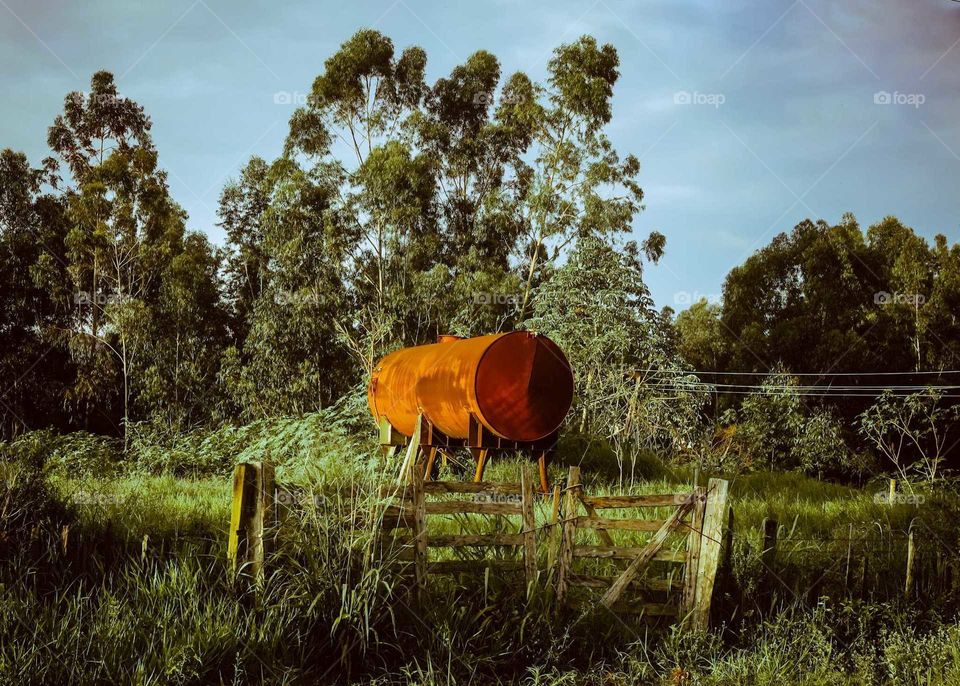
pixel 821 374
pixel 806 393
pixel 680 383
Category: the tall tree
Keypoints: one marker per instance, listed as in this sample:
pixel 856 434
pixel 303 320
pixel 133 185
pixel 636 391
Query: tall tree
pixel 360 104
pixel 124 232
pixel 33 372
pixel 290 264
pixel 598 309
pixel 578 185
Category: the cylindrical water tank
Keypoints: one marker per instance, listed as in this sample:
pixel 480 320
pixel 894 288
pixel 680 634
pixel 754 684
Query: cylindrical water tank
pixel 518 385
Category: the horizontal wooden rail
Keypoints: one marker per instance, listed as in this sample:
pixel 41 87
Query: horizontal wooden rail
pixel 472 540
pixel 456 540
pixel 394 512
pixel 626 553
pixel 646 609
pixel 606 502
pixel 395 518
pixel 472 566
pixel 592 581
pixel 650 525
pixel 442 487
pixel 472 507
pixel 467 566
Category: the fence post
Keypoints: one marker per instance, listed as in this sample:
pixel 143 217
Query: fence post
pixel 768 555
pixel 692 561
pixel 892 495
pixel 413 451
pixel 569 534
pixel 911 551
pixel 710 545
pixel 529 529
pixel 415 480
pixel 553 544
pixel 251 518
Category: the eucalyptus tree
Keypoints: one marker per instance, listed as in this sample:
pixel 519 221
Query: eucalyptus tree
pixel 288 274
pixel 630 380
pixel 33 373
pixel 124 231
pixel 577 185
pixel 914 432
pixel 352 131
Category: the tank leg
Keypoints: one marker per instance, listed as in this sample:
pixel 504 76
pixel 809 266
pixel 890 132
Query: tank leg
pixel 542 464
pixel 428 469
pixel 481 465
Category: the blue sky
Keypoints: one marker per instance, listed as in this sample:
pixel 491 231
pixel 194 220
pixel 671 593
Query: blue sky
pixel 747 117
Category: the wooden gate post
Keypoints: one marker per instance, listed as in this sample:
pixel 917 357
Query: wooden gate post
pixel 692 560
pixel 711 541
pixel 553 544
pixel 570 505
pixel 414 480
pixel 413 451
pixel 529 529
pixel 252 518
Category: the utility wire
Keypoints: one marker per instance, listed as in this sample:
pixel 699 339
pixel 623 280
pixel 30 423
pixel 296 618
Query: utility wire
pixel 698 371
pixel 681 384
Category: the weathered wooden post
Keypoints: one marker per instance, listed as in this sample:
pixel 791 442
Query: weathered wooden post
pixel 251 518
pixel 413 451
pixel 768 556
pixel 570 506
pixel 529 529
pixel 892 495
pixel 911 551
pixel 847 575
pixel 553 544
pixel 692 559
pixel 710 544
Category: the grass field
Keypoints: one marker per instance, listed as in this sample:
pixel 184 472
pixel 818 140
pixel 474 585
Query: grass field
pixel 123 579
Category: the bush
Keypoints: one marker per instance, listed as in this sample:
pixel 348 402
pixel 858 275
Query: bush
pixel 76 455
pixel 29 507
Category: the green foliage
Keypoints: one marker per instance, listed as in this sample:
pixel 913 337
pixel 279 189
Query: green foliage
pixel 912 432
pixel 32 299
pixel 137 278
pixel 75 455
pixel 777 429
pixel 599 311
pixel 703 343
pixel 325 613
pixel 319 441
pixel 28 505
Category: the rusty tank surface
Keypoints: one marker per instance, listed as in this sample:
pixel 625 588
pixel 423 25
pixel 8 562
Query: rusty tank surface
pixel 518 386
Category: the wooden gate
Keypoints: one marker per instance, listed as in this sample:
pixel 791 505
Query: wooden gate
pixel 695 526
pixel 414 501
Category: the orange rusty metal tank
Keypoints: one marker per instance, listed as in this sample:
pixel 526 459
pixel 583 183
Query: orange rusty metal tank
pixel 518 385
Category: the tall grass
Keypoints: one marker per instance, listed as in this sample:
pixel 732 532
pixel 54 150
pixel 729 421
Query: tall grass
pixel 119 576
